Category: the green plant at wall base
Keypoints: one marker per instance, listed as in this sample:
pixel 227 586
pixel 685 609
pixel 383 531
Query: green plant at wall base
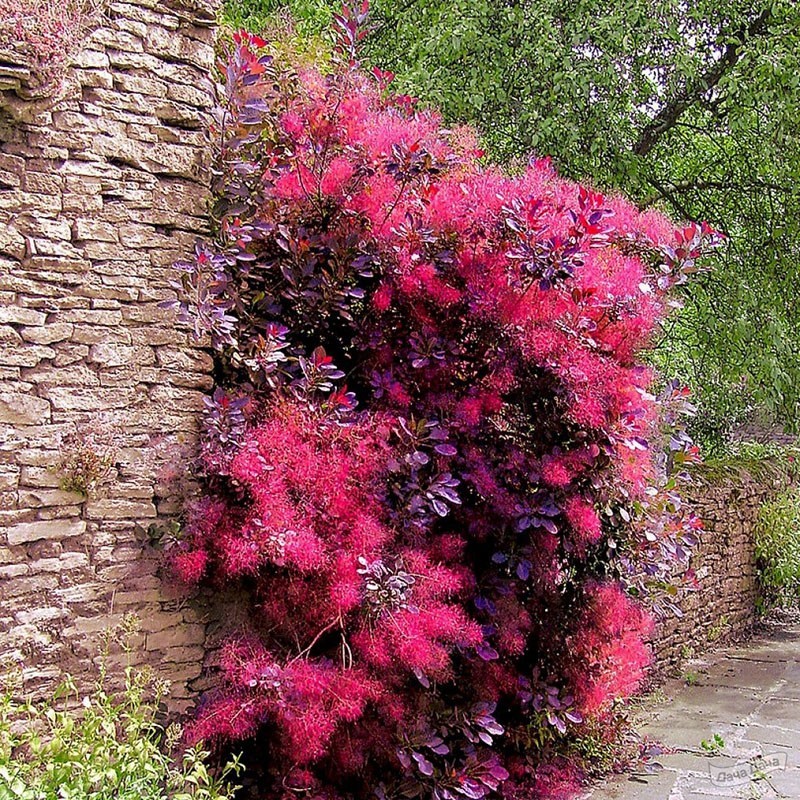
pixel 777 541
pixel 718 630
pixel 599 754
pixel 101 746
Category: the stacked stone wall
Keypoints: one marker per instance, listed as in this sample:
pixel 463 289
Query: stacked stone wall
pixel 102 188
pixel 724 603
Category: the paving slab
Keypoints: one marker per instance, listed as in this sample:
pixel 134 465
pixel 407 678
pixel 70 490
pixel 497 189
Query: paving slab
pixel 756 675
pixel 750 696
pixel 657 786
pixel 780 713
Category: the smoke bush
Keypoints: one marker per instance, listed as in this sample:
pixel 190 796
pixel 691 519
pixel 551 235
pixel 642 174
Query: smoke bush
pixel 434 460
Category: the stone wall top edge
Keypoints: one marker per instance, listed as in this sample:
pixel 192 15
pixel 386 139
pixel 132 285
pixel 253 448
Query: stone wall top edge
pixel 20 78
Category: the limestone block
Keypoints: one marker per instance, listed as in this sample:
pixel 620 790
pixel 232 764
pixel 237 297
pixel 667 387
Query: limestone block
pixel 145 133
pixel 17 408
pixel 150 87
pixel 191 380
pixel 9 335
pixel 91 59
pixel 109 251
pixel 44 548
pixel 140 599
pixel 32 616
pixel 58 512
pixel 41 245
pixel 97 334
pixel 179 636
pixel 182 115
pixel 150 312
pixel 13 571
pixel 39 478
pixel 27 356
pixel 140 237
pixel 102 292
pixel 116 508
pixel 75 202
pixel 67 354
pixel 114 355
pixel 37 498
pixel 27 201
pixel 82 593
pixel 36 457
pixel 73 375
pixel 173 398
pixel 117 41
pixel 163 42
pixel 54 529
pixel 68 398
pixel 109 319
pixel 188 94
pixel 139 12
pixel 21 316
pixel 131 26
pixel 48 334
pixel 12 169
pixel 9 477
pixel 95 78
pixel 161 620
pixel 156 336
pixel 96 624
pixel 93 230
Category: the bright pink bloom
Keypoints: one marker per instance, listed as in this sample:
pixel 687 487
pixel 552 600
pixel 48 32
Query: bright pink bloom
pixel 434 398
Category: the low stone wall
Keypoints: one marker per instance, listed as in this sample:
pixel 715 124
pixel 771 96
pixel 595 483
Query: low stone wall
pixel 723 604
pixel 102 188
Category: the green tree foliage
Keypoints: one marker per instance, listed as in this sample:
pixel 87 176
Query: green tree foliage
pixel 691 106
pixel 778 549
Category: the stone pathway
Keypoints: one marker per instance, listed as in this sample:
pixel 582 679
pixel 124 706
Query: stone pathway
pixel 750 697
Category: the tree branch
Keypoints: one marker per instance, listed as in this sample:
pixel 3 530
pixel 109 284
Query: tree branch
pixel 753 186
pixel 669 196
pixel 673 110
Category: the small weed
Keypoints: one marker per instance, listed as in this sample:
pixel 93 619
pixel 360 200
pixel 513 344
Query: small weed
pixel 691 678
pixel 87 461
pixel 719 629
pixel 161 536
pixel 713 746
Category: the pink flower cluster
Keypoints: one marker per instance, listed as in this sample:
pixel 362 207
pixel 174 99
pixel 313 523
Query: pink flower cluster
pixel 428 548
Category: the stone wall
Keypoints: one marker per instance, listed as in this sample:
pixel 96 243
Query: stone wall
pixel 723 604
pixel 102 188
